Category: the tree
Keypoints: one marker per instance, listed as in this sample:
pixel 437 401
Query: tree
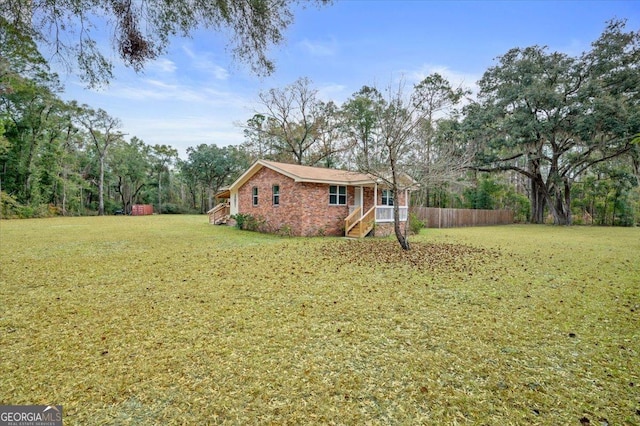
pixel 143 30
pixel 163 156
pixel 441 154
pixel 258 141
pixel 359 117
pixel 29 109
pixel 40 144
pixel 212 167
pixel 58 147
pixel 102 132
pixel 551 117
pixel 330 144
pixel 392 132
pixel 294 125
pixel 131 166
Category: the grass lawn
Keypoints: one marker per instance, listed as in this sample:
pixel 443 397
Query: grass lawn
pixel 166 319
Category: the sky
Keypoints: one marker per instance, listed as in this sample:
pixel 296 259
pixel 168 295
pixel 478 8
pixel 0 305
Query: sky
pixel 198 94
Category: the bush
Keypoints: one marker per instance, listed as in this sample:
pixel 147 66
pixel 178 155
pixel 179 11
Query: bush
pixel 249 222
pixel 415 224
pixel 170 208
pixel 240 218
pixel 10 208
pixel 285 231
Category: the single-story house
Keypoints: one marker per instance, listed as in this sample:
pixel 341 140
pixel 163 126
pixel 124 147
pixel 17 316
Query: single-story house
pixel 312 200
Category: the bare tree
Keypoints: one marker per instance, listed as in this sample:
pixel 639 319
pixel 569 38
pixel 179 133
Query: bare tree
pixel 293 122
pixel 441 155
pixel 331 144
pixel 400 123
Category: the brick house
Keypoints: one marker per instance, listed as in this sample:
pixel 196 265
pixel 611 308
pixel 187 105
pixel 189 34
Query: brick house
pixel 307 201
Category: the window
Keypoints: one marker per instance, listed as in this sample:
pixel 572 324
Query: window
pixel 276 194
pixel 387 197
pixel 337 195
pixel 255 195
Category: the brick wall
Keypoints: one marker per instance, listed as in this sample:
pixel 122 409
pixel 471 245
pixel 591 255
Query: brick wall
pixel 304 207
pixel 316 215
pixel 386 229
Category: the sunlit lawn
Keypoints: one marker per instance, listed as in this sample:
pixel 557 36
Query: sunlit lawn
pixel 166 319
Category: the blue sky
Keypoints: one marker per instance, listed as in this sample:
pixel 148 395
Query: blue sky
pixel 197 94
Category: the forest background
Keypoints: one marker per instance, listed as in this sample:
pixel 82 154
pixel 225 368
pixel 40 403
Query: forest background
pixel 551 136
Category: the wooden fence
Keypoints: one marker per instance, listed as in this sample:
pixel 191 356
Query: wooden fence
pixel 451 218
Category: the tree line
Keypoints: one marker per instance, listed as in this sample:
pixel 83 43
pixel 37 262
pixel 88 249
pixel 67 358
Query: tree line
pixel 551 136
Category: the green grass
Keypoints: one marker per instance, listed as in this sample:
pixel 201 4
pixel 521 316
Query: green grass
pixel 166 319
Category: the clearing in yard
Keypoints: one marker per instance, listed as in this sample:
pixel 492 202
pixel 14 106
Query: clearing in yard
pixel 166 319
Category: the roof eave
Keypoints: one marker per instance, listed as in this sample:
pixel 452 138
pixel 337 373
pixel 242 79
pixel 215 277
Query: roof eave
pixel 336 182
pixel 255 167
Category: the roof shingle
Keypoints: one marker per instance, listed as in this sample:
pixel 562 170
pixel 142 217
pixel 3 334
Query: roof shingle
pixel 318 174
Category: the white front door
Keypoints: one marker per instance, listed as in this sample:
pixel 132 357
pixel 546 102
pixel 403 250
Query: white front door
pixel 357 196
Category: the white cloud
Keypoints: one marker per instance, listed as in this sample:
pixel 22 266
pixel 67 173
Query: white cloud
pixel 148 89
pixel 203 62
pixel 154 90
pixel 456 78
pixel 162 65
pixel 318 48
pixel 182 113
pixel 184 131
pixel 333 92
pixel 209 67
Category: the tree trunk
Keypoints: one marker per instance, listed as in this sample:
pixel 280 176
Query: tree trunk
pixel 562 205
pixel 64 190
pixel 194 198
pixel 101 188
pixel 402 238
pixel 120 190
pixel 567 201
pixel 558 212
pixel 159 193
pixel 537 199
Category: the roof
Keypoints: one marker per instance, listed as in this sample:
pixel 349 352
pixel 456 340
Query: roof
pixel 319 174
pixel 307 174
pixel 223 192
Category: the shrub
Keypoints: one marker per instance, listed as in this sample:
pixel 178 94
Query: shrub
pixel 9 206
pixel 249 222
pixel 285 231
pixel 415 224
pixel 171 208
pixel 240 219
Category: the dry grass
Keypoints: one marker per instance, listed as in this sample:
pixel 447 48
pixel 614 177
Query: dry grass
pixel 143 320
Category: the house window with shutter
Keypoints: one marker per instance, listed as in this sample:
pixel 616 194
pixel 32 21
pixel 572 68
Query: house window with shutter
pixel 254 195
pixel 337 195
